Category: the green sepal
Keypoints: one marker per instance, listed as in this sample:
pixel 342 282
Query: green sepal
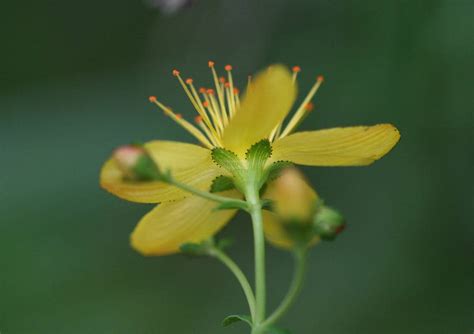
pixel 224 243
pixel 146 169
pixel 276 330
pixel 258 154
pixel 300 232
pixel 231 319
pixel 274 170
pixel 222 183
pixel 196 249
pixel 227 160
pixel 231 205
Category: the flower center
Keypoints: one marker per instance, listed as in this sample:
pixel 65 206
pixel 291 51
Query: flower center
pixel 216 107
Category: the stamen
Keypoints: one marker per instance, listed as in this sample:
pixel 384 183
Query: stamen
pixel 228 68
pixel 185 124
pixel 203 112
pixel 220 94
pixel 301 111
pixel 194 102
pixel 215 117
pixel 200 123
pixel 296 70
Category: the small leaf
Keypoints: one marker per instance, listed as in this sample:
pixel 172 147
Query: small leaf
pixel 227 160
pixel 222 183
pixel 258 154
pixel 236 318
pixel 194 249
pixel 275 169
pixel 277 330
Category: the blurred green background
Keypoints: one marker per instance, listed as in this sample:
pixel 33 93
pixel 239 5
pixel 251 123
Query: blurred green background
pixel 75 77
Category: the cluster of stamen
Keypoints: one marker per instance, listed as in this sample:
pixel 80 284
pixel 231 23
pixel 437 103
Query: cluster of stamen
pixel 216 107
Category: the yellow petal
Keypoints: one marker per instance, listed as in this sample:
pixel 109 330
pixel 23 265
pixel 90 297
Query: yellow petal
pixel 189 163
pixel 169 225
pixel 266 103
pixel 351 146
pixel 275 232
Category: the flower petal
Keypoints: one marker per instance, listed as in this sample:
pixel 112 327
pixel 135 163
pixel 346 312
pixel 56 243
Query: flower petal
pixel 266 103
pixel 189 163
pixel 169 225
pixel 351 146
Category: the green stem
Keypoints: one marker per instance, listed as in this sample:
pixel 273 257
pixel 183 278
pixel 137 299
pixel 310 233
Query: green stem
pixel 255 209
pixel 295 288
pixel 207 195
pixel 234 268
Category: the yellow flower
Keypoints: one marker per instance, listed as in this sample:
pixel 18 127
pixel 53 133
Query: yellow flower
pixel 224 121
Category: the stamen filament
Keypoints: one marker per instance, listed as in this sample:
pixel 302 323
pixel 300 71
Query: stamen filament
pixel 185 124
pixel 301 111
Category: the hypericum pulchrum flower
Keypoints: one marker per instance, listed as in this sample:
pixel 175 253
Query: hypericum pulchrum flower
pixel 227 121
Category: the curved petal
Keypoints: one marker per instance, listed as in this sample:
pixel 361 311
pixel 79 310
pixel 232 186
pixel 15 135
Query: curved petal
pixel 275 232
pixel 189 163
pixel 169 225
pixel 351 146
pixel 273 227
pixel 266 103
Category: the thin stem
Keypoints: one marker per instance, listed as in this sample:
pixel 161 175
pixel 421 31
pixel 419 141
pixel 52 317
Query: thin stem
pixel 255 209
pixel 234 268
pixel 205 194
pixel 295 288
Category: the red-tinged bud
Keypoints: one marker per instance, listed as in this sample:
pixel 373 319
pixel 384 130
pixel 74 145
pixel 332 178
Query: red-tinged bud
pixel 210 91
pixel 236 91
pixel 135 163
pixel 202 90
pixel 205 104
pixel 210 63
pixel 175 73
pixel 222 80
pixel 189 81
pixel 320 78
pixel 228 67
pixel 328 223
pixel 198 119
pixel 152 99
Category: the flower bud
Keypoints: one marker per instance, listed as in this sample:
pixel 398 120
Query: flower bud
pixel 136 164
pixel 328 223
pixel 294 200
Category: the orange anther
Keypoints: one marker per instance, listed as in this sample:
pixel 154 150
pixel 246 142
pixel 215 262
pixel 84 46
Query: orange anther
pixel 227 84
pixel 179 116
pixel 222 80
pixel 198 119
pixel 296 69
pixel 152 99
pixel 205 104
pixel 189 81
pixel 320 78
pixel 175 73
pixel 309 106
pixel 210 63
pixel 210 91
pixel 228 67
pixel 202 90
pixel 236 91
